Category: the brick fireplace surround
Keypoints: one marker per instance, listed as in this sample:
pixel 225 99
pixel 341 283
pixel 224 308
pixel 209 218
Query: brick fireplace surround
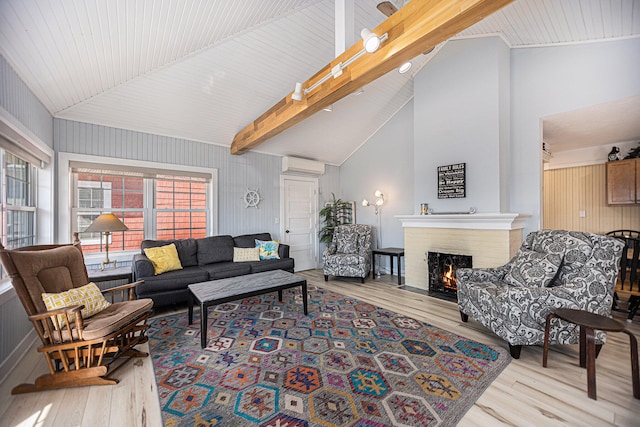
pixel 490 238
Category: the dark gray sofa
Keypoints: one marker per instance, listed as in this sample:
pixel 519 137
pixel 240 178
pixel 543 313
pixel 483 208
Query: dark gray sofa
pixel 204 259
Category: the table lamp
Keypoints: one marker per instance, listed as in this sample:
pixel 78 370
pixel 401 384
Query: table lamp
pixel 106 223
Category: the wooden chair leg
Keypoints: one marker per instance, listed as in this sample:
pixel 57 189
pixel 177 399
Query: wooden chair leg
pixel 326 278
pixel 634 305
pixel 635 370
pixel 590 361
pixel 464 317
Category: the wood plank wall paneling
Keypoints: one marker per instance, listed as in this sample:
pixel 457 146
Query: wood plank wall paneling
pixel 21 103
pixel 235 173
pixel 489 248
pixel 14 327
pixel 571 190
pixel 17 100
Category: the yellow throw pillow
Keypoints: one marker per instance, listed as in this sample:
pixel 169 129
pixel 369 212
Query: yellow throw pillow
pixel 89 295
pixel 164 258
pixel 246 254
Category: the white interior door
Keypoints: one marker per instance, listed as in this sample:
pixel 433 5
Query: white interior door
pixel 299 213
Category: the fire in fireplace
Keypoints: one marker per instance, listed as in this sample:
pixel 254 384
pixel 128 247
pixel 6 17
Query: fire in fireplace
pixel 441 268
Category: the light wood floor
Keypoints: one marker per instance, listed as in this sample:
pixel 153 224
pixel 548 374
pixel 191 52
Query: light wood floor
pixel 525 394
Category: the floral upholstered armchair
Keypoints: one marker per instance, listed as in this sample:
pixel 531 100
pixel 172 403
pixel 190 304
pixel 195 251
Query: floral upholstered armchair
pixel 349 253
pixel 552 269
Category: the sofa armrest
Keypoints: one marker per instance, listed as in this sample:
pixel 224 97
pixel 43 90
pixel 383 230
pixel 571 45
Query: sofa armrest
pixel 283 250
pixel 481 274
pixel 142 267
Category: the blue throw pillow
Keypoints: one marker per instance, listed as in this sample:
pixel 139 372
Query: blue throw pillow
pixel 268 249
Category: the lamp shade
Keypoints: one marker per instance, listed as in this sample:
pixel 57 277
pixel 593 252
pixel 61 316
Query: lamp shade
pixel 106 222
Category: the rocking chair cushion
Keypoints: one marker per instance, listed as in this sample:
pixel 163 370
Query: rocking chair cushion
pixel 115 317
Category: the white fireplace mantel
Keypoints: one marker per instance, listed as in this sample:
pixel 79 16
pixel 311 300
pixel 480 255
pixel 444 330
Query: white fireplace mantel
pixel 475 221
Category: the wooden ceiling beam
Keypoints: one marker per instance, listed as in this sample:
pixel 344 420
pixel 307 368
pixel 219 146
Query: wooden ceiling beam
pixel 417 27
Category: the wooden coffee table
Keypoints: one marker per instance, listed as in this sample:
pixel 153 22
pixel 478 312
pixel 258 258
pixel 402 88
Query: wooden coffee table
pixel 589 322
pixel 220 291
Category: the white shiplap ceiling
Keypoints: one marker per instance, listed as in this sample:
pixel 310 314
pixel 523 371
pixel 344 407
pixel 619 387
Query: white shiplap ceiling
pixel 204 69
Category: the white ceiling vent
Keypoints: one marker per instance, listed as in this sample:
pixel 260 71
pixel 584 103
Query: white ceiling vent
pixel 298 165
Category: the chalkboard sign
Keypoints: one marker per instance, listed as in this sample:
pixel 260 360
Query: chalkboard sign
pixel 452 181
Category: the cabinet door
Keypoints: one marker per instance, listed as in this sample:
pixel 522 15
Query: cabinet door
pixel 637 180
pixel 621 182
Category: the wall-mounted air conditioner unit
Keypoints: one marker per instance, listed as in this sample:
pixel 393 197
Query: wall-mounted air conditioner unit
pixel 298 165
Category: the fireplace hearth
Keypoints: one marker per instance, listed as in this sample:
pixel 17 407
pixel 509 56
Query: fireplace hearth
pixel 441 268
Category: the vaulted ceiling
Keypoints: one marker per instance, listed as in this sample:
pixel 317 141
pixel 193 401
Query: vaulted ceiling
pixel 204 69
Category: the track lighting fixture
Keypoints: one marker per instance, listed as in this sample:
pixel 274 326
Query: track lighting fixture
pixel 297 93
pixel 370 41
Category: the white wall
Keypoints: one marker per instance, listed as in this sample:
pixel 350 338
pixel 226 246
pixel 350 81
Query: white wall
pixel 384 163
pixel 461 115
pixel 552 80
pixel 479 102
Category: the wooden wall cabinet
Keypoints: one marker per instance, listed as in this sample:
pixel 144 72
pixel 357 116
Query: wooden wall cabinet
pixel 623 182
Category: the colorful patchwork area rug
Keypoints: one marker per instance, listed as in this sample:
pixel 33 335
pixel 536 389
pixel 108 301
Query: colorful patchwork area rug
pixel 348 363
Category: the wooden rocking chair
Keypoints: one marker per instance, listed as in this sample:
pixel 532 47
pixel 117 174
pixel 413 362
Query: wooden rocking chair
pixel 79 351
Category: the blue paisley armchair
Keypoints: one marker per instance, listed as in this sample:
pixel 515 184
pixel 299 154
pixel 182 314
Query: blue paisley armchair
pixel 552 269
pixel 349 254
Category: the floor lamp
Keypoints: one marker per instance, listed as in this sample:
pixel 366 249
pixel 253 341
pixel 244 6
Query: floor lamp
pixel 377 205
pixel 106 223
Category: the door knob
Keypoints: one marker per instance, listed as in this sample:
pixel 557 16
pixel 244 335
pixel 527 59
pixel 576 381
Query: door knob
pixel 286 231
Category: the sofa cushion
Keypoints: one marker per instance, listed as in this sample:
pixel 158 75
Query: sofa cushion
pixel 187 249
pixel 215 249
pixel 222 270
pixel 272 264
pixel 249 240
pixel 172 280
pixel 163 258
pixel 530 268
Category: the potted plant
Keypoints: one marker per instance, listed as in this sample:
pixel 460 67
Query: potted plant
pixel 334 213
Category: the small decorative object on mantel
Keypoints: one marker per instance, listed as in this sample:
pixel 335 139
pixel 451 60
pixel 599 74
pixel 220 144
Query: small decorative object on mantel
pixel 614 154
pixel 251 198
pixel 452 181
pixel 424 208
pixel 471 211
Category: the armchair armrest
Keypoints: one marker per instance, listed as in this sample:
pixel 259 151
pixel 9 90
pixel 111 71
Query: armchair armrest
pixel 481 274
pixel 127 292
pixel 330 250
pixel 48 326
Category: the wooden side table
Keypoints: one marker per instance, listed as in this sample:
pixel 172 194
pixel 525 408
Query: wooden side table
pixel 391 252
pixel 588 323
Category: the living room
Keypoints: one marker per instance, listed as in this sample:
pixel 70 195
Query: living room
pixel 478 101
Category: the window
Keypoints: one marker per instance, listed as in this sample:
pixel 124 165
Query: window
pixel 152 204
pixel 180 209
pixel 18 201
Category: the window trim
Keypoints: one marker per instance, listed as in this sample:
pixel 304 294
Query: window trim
pixel 65 192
